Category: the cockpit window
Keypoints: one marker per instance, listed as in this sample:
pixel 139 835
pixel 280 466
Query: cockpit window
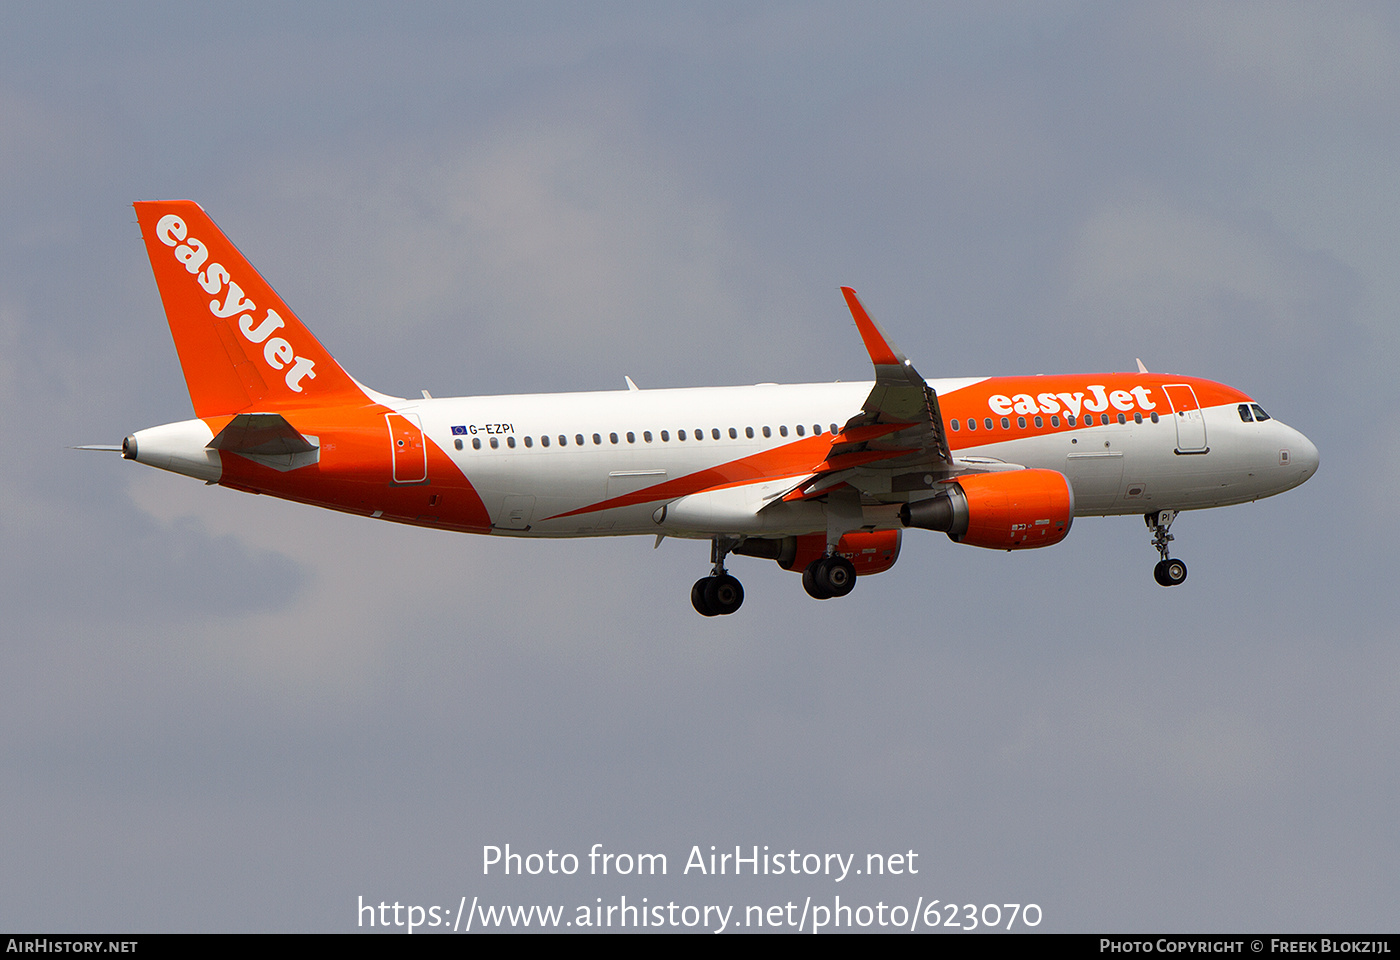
pixel 1259 413
pixel 1245 415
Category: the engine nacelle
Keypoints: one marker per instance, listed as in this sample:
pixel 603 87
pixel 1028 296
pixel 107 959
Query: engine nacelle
pixel 1015 510
pixel 870 551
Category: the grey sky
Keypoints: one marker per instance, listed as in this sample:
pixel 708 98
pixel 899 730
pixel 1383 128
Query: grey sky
pixel 224 712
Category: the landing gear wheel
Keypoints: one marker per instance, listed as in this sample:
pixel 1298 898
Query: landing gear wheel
pixel 697 598
pixel 1169 573
pixel 723 594
pixel 719 594
pixel 829 577
pixel 837 576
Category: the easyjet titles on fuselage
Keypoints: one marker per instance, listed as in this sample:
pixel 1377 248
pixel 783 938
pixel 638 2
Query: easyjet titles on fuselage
pixel 1097 401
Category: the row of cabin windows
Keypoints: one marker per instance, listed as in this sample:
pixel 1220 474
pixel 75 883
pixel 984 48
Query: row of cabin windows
pixel 580 440
pixel 665 436
pixel 1089 421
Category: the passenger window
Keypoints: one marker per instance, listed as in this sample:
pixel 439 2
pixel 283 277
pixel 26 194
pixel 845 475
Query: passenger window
pixel 835 430
pixel 578 439
pixel 632 437
pixel 987 423
pixel 1070 419
pixel 476 443
pixel 748 432
pixel 816 429
pixel 782 431
pixel 954 425
pixel 1259 413
pixel 457 443
pixel 1039 422
pixel 646 435
pixel 544 441
pixel 1006 424
pixel 733 434
pixel 1137 418
pixel 800 431
pixel 767 433
pixel 495 443
pixel 1021 422
pixel 666 436
pixel 612 438
pixel 510 442
pixel 1155 418
pixel 1122 418
pixel 971 423
pixel 1055 420
pixel 714 432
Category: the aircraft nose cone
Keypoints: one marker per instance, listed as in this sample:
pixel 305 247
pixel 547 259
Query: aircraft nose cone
pixel 1305 456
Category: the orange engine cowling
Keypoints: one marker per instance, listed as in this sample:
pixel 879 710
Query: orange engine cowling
pixel 1016 510
pixel 870 551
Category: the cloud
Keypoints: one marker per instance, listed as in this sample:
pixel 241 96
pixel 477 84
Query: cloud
pixel 1148 269
pixel 1289 56
pixel 564 235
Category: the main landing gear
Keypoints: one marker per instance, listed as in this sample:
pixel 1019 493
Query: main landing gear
pixel 828 577
pixel 1168 572
pixel 719 594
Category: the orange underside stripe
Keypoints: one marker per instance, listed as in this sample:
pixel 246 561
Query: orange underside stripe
pixel 790 460
pixel 796 459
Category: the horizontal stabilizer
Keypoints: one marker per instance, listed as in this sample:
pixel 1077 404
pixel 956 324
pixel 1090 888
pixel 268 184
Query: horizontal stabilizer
pixel 261 434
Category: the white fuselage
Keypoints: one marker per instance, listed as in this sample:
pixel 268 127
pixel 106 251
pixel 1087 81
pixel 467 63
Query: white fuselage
pixel 1114 468
pixel 549 465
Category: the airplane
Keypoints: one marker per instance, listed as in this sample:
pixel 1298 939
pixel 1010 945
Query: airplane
pixel 822 478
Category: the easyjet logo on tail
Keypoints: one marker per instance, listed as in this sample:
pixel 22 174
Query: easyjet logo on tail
pixel 278 353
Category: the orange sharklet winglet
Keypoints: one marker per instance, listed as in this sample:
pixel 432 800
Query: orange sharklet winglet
pixel 882 352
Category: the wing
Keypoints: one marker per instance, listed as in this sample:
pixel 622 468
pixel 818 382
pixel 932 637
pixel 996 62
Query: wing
pixel 897 441
pixel 893 447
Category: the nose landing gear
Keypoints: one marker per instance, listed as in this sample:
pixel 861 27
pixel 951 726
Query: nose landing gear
pixel 1168 572
pixel 719 594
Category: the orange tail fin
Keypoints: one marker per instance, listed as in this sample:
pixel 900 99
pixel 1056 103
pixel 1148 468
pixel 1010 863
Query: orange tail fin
pixel 240 346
